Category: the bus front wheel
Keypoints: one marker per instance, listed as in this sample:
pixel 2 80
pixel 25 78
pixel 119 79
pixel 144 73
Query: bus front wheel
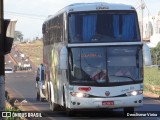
pixel 69 112
pixel 53 106
pixel 128 110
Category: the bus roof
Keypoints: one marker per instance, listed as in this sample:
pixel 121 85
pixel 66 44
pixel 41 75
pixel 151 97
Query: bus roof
pixel 76 7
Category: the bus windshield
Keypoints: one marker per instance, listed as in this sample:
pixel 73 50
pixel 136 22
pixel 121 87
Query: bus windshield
pixel 103 26
pixel 102 66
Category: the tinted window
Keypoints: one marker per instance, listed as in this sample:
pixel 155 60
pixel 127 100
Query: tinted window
pixel 103 27
pixel 104 66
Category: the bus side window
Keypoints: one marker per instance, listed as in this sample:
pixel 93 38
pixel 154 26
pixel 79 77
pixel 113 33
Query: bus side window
pixel 70 61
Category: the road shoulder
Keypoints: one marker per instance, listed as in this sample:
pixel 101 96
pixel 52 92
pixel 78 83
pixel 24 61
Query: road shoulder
pixel 151 95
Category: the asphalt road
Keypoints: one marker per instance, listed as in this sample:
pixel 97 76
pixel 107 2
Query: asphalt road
pixel 8 61
pixel 21 86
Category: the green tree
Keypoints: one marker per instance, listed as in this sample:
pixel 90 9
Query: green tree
pixel 18 36
pixel 156 54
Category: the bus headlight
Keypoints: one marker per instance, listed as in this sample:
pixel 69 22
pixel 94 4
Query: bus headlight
pixel 134 93
pixel 79 94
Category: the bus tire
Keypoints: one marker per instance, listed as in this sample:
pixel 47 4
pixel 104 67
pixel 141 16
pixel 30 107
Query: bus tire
pixel 53 106
pixel 128 110
pixel 70 112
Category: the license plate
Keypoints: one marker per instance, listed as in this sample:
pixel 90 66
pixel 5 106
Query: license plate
pixel 107 103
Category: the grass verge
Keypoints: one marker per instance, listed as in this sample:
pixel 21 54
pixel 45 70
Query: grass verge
pixel 152 79
pixel 10 108
pixel 34 51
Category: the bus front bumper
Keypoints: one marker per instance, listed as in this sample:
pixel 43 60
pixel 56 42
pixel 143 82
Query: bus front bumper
pixel 116 102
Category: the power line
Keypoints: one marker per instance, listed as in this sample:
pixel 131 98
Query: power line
pixel 139 7
pixel 136 3
pixel 147 8
pixel 32 16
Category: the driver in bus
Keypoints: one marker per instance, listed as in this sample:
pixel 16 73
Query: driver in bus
pixel 100 75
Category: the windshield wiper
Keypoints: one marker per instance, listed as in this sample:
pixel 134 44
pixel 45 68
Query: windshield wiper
pixel 124 77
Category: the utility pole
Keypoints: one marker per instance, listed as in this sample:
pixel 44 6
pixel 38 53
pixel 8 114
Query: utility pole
pixel 7 28
pixel 142 8
pixel 2 80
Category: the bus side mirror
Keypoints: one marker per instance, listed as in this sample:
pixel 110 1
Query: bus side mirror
pixel 146 55
pixel 64 59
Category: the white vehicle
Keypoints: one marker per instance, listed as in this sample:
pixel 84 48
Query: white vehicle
pixel 8 70
pixel 93 57
pixel 40 84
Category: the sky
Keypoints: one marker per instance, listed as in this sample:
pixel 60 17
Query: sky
pixel 30 14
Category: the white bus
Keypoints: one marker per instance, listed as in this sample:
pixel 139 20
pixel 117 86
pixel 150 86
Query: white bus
pixel 93 57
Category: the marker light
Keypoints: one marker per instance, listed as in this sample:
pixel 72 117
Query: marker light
pixel 86 89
